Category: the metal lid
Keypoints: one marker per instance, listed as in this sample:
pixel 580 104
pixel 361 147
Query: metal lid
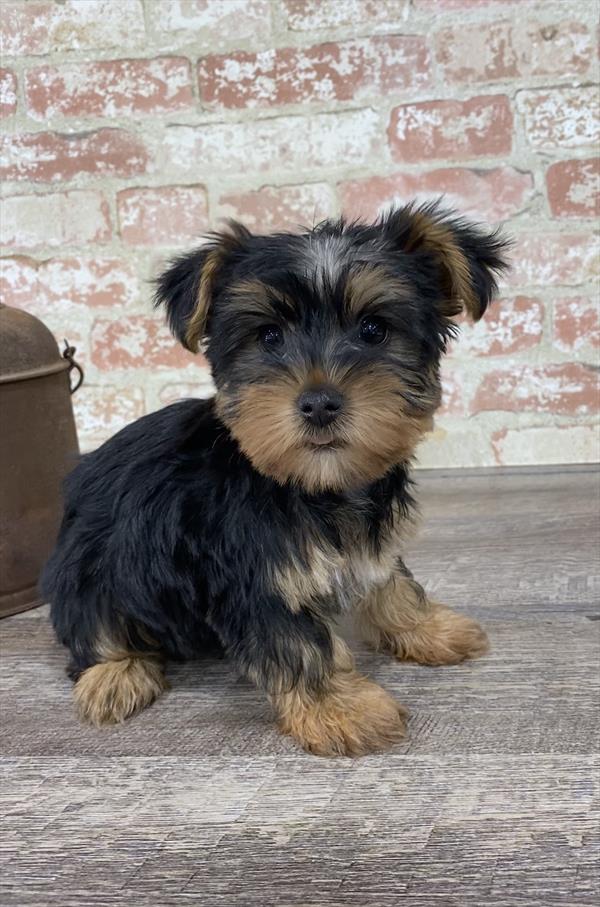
pixel 27 347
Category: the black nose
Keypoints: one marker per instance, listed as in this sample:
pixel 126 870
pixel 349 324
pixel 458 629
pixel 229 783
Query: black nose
pixel 320 407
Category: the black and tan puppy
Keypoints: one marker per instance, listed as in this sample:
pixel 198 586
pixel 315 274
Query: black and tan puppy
pixel 255 518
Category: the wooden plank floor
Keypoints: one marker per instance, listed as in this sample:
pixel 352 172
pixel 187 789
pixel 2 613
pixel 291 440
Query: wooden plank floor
pixel 493 798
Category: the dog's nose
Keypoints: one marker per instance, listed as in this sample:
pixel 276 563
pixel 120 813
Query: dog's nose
pixel 321 406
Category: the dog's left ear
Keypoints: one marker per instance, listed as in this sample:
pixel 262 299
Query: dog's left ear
pixel 466 260
pixel 187 288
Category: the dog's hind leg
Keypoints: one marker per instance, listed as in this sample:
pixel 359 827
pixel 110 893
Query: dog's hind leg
pixel 120 684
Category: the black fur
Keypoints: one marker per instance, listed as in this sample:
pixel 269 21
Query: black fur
pixel 168 527
pixel 170 536
pixel 484 251
pixel 181 284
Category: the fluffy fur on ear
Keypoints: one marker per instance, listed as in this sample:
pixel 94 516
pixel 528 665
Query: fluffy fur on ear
pixel 468 258
pixel 178 289
pixel 187 287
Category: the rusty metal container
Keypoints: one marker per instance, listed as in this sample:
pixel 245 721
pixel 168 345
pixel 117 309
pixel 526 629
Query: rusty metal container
pixel 38 446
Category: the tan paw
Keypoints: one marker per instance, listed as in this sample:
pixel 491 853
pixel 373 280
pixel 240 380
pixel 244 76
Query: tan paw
pixel 353 718
pixel 110 692
pixel 444 637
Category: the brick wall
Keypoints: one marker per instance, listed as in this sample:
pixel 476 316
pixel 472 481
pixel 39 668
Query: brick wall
pixel 131 127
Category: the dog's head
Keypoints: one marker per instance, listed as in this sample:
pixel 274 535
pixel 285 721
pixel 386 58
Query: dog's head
pixel 325 345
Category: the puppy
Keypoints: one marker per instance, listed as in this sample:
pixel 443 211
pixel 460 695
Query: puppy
pixel 252 520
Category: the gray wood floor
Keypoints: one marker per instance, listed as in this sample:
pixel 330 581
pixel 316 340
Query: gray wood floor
pixel 491 801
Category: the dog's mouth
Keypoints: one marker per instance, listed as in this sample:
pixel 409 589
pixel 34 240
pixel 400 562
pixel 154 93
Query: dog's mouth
pixel 324 444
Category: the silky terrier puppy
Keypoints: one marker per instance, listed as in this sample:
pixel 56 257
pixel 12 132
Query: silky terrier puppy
pixel 251 521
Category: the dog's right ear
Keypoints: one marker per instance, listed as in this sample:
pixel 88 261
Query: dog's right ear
pixel 187 288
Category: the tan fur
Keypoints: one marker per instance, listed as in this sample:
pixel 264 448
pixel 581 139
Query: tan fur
pixel 223 243
pixel 443 638
pixel 377 432
pixel 348 576
pixel 197 323
pixel 260 296
pixel 399 618
pixel 314 377
pixel 300 583
pixel 112 691
pixel 368 285
pixel 429 235
pixel 383 420
pixel 351 717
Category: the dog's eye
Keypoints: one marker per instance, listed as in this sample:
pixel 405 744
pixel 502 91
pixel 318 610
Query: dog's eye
pixel 270 335
pixel 372 330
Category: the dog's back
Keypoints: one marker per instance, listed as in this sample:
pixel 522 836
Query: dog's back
pixel 123 506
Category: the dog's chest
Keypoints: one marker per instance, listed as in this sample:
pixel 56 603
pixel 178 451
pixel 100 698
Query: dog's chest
pixel 345 576
pixel 355 577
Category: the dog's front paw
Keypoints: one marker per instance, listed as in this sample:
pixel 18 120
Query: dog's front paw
pixel 353 718
pixel 443 637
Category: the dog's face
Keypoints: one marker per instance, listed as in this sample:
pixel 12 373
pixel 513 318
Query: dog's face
pixel 325 345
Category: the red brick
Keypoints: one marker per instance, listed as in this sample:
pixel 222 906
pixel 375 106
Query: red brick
pixel 18 280
pixel 551 259
pixel 165 215
pixel 54 156
pixel 21 286
pixel 325 72
pixel 32 221
pixel 86 282
pixel 563 390
pixel 547 444
pixel 560 117
pixel 44 27
pixel 136 341
pixel 210 24
pixel 184 390
pixel 493 194
pixel 509 326
pixel 24 28
pixel 101 411
pixel 310 15
pixel 90 281
pixel 573 188
pixel 478 127
pixel 109 88
pixel 488 52
pixel 8 92
pixel 290 143
pixel 576 324
pixel 272 208
pixel 65 292
pixel 64 319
